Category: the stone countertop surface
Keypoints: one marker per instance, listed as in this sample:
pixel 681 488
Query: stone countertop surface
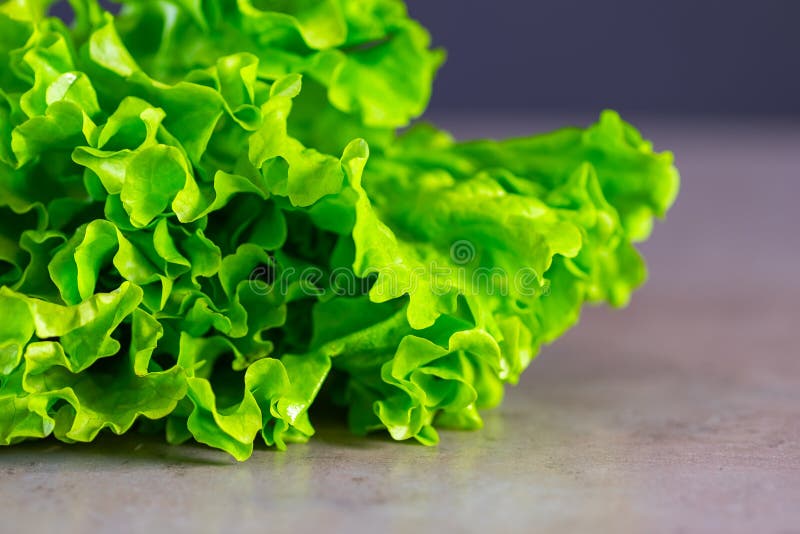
pixel 680 413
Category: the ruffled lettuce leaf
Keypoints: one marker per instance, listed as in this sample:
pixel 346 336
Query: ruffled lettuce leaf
pixel 512 250
pixel 208 219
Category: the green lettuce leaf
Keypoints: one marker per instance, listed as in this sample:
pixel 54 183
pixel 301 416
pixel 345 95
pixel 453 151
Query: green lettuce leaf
pixel 209 219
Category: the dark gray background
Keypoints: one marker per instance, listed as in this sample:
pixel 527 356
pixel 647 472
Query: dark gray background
pixel 652 56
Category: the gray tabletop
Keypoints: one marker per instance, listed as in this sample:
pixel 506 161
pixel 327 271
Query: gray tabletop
pixel 679 414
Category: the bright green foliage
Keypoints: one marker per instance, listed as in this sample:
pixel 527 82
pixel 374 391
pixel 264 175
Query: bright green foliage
pixel 193 229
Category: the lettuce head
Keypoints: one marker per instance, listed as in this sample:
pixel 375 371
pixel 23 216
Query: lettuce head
pixel 213 216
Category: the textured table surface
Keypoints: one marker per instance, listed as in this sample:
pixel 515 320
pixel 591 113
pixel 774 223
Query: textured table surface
pixel 678 414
